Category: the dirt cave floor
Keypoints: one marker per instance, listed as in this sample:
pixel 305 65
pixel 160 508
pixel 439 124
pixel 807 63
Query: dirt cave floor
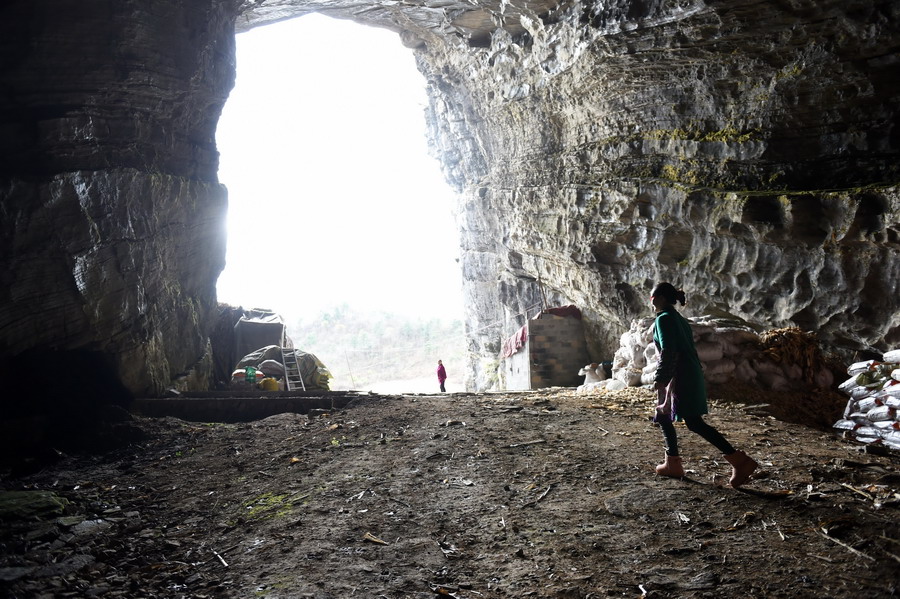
pixel 496 495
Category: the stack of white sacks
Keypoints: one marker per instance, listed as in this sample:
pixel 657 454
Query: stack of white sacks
pixel 728 351
pixel 873 412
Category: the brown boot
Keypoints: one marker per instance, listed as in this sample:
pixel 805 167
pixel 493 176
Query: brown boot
pixel 742 466
pixel 671 467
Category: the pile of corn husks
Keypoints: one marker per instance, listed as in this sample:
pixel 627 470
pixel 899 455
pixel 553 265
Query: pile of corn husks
pixel 873 411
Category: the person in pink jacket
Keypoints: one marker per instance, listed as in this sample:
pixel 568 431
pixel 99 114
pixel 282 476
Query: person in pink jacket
pixel 442 375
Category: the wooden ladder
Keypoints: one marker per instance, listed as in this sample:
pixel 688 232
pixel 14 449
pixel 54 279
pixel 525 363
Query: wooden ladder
pixel 293 380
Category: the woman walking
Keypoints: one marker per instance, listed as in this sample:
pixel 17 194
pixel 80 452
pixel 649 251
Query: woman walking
pixel 681 388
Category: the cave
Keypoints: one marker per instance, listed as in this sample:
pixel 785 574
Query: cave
pixel 579 137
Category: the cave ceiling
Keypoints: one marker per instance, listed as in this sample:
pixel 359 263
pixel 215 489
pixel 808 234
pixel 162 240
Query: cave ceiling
pixel 472 22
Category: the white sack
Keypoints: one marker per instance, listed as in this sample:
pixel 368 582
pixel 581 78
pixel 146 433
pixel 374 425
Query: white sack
pixel 868 403
pixel 744 372
pixel 860 367
pixel 730 349
pixel 638 361
pixel 631 377
pixel 271 367
pixel 595 386
pixel 892 439
pixel 738 336
pixel 723 366
pixel 773 381
pixel 894 402
pixel 625 354
pixel 718 379
pixel 861 392
pixel 892 356
pixel 849 385
pixel 881 413
pixel 699 330
pixel 891 390
pixel 768 367
pixel 867 434
pixel 846 425
pixel 860 417
pixel 709 351
pixel 614 385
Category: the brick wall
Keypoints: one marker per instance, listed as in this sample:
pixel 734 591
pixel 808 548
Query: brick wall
pixel 557 351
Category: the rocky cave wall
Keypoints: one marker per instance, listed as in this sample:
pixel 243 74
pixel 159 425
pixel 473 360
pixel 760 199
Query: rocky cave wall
pixel 112 223
pixel 744 150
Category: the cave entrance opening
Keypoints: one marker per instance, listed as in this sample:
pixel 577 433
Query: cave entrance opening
pixel 339 220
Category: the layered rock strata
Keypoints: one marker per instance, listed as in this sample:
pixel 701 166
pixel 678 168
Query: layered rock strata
pixel 745 151
pixel 112 222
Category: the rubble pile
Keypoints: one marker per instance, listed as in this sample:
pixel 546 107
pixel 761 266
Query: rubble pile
pixel 873 411
pixel 778 360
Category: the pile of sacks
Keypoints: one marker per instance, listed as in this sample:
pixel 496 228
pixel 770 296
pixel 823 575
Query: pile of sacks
pixel 778 360
pixel 267 363
pixel 873 411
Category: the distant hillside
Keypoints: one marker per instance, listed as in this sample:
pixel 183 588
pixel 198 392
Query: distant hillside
pixel 367 351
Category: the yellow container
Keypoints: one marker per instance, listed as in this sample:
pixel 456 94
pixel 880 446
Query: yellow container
pixel 269 384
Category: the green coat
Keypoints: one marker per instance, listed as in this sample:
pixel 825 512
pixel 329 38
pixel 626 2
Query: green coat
pixel 678 362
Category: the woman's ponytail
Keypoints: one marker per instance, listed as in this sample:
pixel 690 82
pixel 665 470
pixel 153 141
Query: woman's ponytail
pixel 668 291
